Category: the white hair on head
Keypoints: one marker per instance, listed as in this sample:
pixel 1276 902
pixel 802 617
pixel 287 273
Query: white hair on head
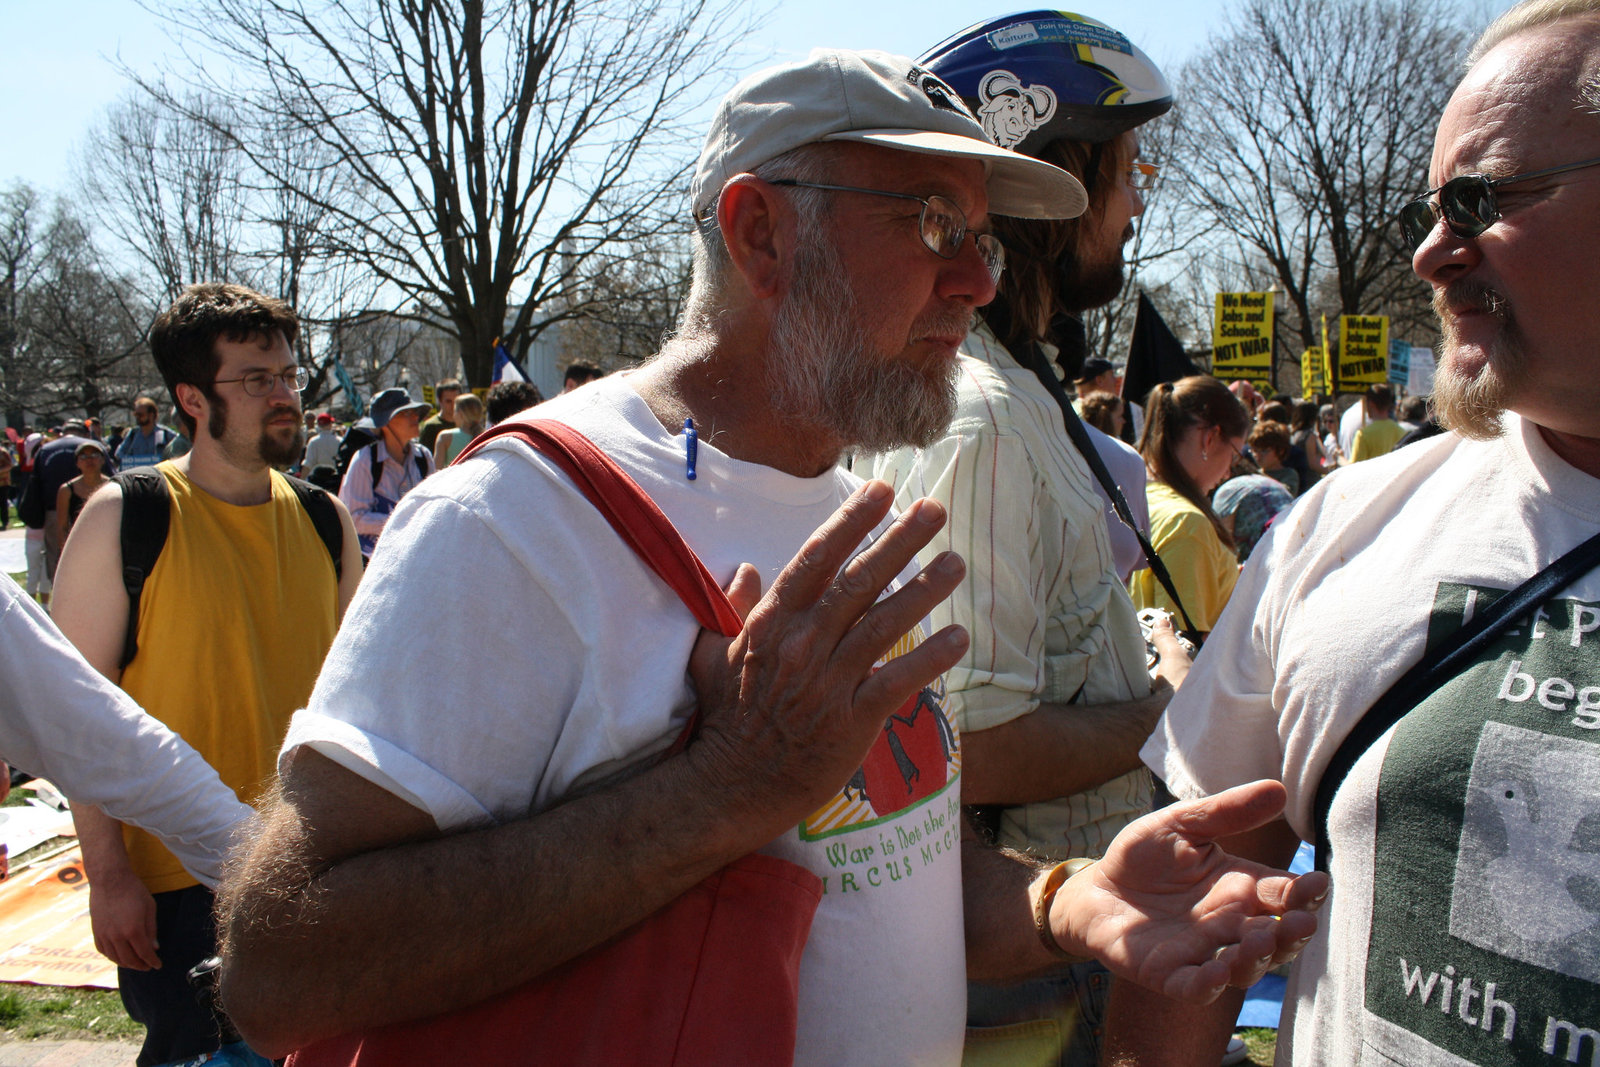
pixel 808 163
pixel 1537 14
pixel 1529 15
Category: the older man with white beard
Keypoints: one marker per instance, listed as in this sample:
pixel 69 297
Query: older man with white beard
pixel 1464 839
pixel 854 190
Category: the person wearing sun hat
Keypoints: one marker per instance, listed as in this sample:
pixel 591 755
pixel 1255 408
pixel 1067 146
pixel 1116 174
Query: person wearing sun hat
pixel 389 468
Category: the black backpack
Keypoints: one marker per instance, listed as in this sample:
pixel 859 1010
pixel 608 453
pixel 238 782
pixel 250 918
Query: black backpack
pixel 377 466
pixel 360 434
pixel 147 516
pixel 31 507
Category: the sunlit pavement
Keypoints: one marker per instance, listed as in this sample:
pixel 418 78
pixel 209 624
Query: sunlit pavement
pixel 67 1054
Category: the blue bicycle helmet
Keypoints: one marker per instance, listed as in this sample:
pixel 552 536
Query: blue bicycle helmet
pixel 1043 76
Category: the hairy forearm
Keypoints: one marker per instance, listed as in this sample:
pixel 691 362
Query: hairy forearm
pixel 1002 941
pixel 100 839
pixel 1146 1029
pixel 1058 750
pixel 407 931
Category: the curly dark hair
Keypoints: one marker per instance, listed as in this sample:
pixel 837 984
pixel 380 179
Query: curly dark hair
pixel 508 398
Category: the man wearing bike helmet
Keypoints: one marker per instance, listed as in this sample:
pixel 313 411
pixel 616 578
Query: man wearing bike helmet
pixel 1052 698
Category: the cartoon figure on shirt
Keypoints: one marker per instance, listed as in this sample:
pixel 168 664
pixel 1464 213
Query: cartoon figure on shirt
pixel 911 757
pixel 916 756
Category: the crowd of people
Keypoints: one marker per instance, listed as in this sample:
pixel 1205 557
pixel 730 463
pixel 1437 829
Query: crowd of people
pixel 981 705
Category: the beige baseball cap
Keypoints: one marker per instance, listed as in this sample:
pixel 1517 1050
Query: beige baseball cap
pixel 873 98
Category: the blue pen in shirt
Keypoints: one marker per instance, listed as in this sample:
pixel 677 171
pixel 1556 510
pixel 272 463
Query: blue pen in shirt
pixel 691 442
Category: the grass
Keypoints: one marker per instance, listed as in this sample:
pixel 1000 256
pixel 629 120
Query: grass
pixel 32 1013
pixel 1262 1043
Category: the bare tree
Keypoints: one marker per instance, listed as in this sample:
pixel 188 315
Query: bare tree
pixel 164 181
pixel 19 237
pixel 1302 128
pixel 84 326
pixel 629 299
pixel 489 148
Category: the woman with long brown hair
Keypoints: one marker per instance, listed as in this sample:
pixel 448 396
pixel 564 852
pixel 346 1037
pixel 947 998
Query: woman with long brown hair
pixel 1194 428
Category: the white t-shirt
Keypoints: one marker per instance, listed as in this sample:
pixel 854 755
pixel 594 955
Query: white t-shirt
pixel 1464 924
pixel 1350 423
pixel 569 666
pixel 1049 616
pixel 63 720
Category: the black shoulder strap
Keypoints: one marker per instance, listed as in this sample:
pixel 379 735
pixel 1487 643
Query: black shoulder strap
pixel 1040 365
pixel 146 517
pixel 1437 666
pixel 376 465
pixel 324 516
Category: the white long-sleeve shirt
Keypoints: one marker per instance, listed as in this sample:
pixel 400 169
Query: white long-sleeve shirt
pixel 63 720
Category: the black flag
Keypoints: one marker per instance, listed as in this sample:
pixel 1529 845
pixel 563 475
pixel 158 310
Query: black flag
pixel 1154 355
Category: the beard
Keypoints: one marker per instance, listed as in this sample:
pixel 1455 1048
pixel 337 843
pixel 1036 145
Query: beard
pixel 825 374
pixel 267 448
pixel 1471 402
pixel 1090 277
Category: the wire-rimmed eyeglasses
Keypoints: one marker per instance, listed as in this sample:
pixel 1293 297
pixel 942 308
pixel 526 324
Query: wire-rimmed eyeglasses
pixel 942 225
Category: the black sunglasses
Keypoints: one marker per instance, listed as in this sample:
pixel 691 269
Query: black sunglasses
pixel 1467 204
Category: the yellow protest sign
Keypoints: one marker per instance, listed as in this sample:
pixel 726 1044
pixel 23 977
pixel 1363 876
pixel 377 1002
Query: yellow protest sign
pixel 1241 338
pixel 1313 373
pixel 1363 351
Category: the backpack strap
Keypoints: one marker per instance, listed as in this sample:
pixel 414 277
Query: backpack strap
pixel 324 516
pixel 1437 666
pixel 638 520
pixel 146 518
pixel 376 464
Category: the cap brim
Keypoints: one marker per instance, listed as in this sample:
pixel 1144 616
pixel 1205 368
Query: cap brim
pixel 1018 185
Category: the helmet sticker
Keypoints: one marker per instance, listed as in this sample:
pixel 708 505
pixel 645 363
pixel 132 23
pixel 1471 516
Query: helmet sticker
pixel 1009 111
pixel 1012 36
pixel 1066 31
pixel 939 94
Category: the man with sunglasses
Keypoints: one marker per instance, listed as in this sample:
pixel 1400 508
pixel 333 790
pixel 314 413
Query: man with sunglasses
pixel 1052 696
pixel 842 208
pixel 1465 923
pixel 232 623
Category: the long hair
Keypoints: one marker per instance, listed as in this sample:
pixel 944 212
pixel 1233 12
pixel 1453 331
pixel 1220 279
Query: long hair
pixel 1171 412
pixel 1041 252
pixel 1305 416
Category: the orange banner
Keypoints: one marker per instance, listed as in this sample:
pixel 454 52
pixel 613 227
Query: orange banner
pixel 46 939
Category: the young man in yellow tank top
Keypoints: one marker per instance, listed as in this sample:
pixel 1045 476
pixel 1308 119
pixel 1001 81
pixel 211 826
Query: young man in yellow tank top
pixel 233 623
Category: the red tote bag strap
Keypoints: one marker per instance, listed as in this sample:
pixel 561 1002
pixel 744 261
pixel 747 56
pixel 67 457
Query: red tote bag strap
pixel 636 518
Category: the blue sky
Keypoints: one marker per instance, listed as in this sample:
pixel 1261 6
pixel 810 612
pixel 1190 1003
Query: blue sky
pixel 57 59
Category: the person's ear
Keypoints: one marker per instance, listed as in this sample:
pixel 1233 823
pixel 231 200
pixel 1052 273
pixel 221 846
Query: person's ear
pixel 192 400
pixel 757 226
